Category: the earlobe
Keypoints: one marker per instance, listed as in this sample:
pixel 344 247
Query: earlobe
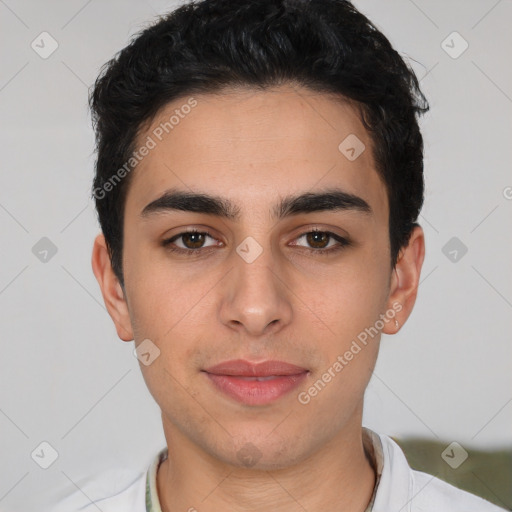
pixel 405 280
pixel 113 294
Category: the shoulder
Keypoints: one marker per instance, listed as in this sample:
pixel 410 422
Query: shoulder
pixel 408 490
pixel 431 493
pixel 110 491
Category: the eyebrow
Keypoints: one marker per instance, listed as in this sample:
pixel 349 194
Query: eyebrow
pixel 333 199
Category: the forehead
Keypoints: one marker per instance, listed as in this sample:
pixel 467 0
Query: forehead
pixel 253 147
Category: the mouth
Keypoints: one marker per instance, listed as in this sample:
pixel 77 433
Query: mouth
pixel 255 383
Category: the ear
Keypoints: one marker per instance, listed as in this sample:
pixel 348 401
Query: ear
pixel 113 294
pixel 405 280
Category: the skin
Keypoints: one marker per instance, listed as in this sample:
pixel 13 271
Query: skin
pixel 253 148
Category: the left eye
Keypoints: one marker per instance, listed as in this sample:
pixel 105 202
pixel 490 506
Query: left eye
pixel 317 240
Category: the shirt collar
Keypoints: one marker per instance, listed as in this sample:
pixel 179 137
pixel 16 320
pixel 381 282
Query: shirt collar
pixel 152 501
pixel 373 449
pixel 372 445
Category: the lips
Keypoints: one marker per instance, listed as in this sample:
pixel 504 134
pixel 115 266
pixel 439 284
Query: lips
pixel 255 383
pixel 242 368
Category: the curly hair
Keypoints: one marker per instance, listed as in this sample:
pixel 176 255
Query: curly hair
pixel 203 46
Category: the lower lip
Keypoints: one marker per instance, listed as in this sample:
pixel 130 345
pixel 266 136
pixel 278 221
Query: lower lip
pixel 253 392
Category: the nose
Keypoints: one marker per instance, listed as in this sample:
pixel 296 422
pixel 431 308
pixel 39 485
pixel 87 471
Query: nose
pixel 256 297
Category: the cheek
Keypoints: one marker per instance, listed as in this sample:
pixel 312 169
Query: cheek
pixel 171 312
pixel 354 299
pixel 168 375
pixel 158 297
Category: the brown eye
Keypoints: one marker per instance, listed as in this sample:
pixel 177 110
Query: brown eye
pixel 317 239
pixel 318 242
pixel 192 242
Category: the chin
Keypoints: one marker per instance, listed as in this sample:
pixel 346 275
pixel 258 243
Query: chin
pixel 263 454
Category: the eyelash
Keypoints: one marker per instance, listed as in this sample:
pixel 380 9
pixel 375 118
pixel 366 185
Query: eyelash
pixel 343 242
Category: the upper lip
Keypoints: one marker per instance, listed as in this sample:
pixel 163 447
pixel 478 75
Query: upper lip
pixel 243 368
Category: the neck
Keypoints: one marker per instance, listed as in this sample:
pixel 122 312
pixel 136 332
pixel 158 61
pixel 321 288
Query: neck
pixel 338 477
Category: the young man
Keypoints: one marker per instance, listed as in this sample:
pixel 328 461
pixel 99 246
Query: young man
pixel 258 182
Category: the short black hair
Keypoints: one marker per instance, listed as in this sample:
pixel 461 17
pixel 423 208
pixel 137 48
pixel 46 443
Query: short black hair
pixel 207 46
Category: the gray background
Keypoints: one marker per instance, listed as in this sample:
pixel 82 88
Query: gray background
pixel 66 377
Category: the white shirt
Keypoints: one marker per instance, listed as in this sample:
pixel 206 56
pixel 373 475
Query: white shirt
pixel 398 488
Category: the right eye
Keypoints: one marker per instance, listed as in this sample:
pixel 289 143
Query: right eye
pixel 192 241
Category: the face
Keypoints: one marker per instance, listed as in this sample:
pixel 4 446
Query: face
pixel 256 283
